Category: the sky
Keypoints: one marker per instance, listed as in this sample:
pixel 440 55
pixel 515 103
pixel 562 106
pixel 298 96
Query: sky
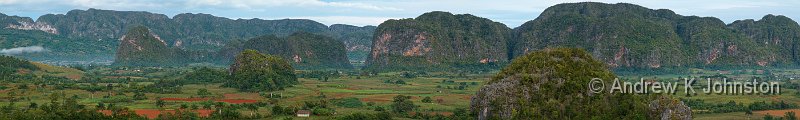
pixel 373 12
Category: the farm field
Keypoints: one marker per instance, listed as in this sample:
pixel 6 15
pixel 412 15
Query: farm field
pixel 446 93
pixel 437 93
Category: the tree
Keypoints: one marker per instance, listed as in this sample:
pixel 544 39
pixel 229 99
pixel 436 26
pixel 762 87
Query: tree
pixel 160 102
pixel 207 105
pixel 101 105
pixel 250 73
pixel 401 82
pixel 427 100
pixel 402 104
pixel 277 110
pixel 139 96
pixel 206 75
pixel 203 92
pixel 184 106
pixel 768 117
pixel 109 87
pixel 790 116
pixel 252 107
pixel 228 114
pixel 33 105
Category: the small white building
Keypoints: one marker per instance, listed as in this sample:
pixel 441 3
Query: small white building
pixel 303 113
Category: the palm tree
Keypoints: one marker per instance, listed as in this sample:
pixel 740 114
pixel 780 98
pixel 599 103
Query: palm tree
pixel 159 102
pixel 219 106
pixel 252 107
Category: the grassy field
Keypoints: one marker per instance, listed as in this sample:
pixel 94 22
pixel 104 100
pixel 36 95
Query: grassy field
pixel 368 89
pixel 782 75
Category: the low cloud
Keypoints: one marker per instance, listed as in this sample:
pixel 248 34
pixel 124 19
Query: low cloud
pixel 20 50
pixel 350 20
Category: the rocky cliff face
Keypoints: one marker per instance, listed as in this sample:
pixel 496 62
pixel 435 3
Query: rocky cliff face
pixel 773 31
pixel 304 50
pixel 630 36
pixel 552 84
pixel 357 40
pixel 438 39
pixel 665 108
pixel 25 23
pixel 140 47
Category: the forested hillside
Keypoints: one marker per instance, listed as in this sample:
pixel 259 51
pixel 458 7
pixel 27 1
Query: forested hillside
pixel 304 50
pixel 438 40
pixel 631 36
pixel 623 36
pixel 551 84
pixel 101 29
pixel 253 71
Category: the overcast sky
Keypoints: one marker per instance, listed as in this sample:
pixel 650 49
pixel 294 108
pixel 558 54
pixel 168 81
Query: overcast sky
pixel 372 12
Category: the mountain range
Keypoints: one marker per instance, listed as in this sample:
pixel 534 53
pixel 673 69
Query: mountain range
pixel 193 32
pixel 622 36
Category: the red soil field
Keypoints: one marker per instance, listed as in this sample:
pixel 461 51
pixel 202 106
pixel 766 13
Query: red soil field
pixel 467 97
pixel 342 95
pixel 73 77
pixel 204 112
pixel 150 113
pixel 105 112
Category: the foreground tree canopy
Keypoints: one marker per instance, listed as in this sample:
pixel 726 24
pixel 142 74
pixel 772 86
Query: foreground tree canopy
pixel 553 84
pixel 253 71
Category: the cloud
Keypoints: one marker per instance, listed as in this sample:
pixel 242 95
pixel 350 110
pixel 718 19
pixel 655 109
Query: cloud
pixel 351 20
pixel 20 50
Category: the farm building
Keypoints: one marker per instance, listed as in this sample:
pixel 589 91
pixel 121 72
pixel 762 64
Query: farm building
pixel 303 113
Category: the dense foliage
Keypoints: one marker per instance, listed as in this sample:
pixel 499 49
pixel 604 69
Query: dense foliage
pixel 206 75
pixel 11 63
pixel 629 36
pixel 253 71
pixel 61 107
pixel 732 106
pixel 551 84
pixel 140 47
pixel 402 104
pixel 304 50
pixel 773 31
pixel 358 40
pixel 438 40
pixel 93 33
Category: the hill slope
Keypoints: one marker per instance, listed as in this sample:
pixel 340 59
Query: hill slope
pixel 140 47
pixel 304 50
pixel 438 39
pixel 630 36
pixel 551 84
pixel 100 29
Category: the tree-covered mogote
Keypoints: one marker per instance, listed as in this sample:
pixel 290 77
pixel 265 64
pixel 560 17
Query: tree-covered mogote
pixel 552 84
pixel 253 71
